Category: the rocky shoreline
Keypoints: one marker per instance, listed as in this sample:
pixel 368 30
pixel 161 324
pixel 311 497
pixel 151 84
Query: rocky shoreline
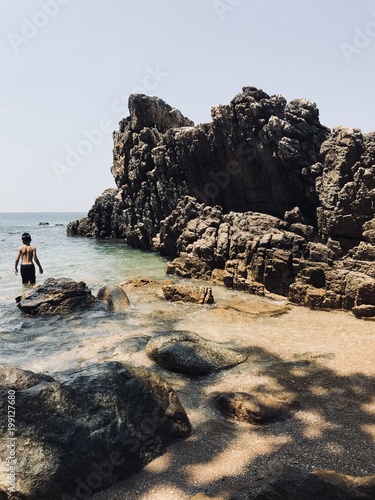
pixel 268 399
pixel 263 198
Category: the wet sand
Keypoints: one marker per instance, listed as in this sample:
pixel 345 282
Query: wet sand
pixel 323 362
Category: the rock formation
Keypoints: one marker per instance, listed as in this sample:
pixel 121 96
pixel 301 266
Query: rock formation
pixel 56 296
pixel 262 198
pixel 85 429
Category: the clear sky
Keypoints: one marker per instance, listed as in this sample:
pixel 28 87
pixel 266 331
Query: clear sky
pixel 68 67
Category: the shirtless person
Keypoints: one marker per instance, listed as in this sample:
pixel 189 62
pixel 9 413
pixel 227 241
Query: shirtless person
pixel 27 254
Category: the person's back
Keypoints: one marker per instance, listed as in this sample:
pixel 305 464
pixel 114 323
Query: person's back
pixel 27 255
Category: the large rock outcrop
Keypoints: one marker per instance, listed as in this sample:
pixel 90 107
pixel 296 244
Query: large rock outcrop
pixel 262 198
pixel 253 156
pixel 84 429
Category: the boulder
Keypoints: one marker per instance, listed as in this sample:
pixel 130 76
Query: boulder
pixel 188 353
pixel 84 429
pixel 187 293
pixel 327 485
pixel 115 297
pixel 57 296
pixel 249 408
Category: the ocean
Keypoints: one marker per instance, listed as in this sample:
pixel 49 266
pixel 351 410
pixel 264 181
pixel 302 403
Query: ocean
pixel 27 342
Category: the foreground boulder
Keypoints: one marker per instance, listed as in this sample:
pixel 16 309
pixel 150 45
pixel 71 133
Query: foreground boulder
pixel 84 430
pixel 57 296
pixel 186 352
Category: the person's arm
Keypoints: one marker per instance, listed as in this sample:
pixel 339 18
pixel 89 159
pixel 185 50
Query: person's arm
pixel 17 261
pixel 37 261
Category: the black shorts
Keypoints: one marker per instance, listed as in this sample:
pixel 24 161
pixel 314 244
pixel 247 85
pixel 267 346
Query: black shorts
pixel 28 273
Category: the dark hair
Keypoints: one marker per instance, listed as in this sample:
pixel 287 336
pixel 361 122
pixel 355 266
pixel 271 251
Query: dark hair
pixel 26 238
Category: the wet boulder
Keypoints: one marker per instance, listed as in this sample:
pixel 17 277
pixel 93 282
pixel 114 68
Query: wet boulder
pixel 115 297
pixel 56 296
pixel 83 430
pixel 186 352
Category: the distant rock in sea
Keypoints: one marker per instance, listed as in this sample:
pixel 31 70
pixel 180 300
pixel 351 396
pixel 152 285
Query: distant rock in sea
pixel 263 198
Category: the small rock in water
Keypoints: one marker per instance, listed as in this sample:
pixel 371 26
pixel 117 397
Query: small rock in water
pixel 184 293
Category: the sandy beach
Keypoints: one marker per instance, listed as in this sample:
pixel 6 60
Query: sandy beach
pixel 320 363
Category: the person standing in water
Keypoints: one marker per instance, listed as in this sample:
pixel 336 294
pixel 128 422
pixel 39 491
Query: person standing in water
pixel 27 254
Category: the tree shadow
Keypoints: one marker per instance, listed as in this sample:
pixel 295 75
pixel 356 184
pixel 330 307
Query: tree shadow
pixel 330 426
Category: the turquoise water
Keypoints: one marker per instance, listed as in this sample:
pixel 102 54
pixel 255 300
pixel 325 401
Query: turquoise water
pixel 96 262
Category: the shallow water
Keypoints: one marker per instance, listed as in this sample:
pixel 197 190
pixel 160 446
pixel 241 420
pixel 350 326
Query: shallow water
pixel 53 344
pixel 321 358
pixel 30 342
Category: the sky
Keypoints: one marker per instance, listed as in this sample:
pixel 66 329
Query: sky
pixel 69 66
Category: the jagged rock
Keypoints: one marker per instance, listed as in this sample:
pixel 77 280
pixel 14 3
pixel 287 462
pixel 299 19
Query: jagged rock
pixel 85 429
pixel 57 296
pixel 188 353
pixel 115 297
pixel 246 407
pixel 250 199
pixel 345 185
pixel 104 218
pixel 253 156
pixel 369 228
pixel 186 293
pixel 327 485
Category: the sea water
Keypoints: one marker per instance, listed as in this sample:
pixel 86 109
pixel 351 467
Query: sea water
pixel 27 342
pixel 53 344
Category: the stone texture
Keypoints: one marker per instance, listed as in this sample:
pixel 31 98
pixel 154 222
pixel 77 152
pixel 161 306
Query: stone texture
pixel 188 353
pixel 85 429
pixel 115 297
pixel 252 156
pixel 248 408
pixel 57 296
pixel 263 198
pixel 345 185
pixel 186 293
pixel 327 485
